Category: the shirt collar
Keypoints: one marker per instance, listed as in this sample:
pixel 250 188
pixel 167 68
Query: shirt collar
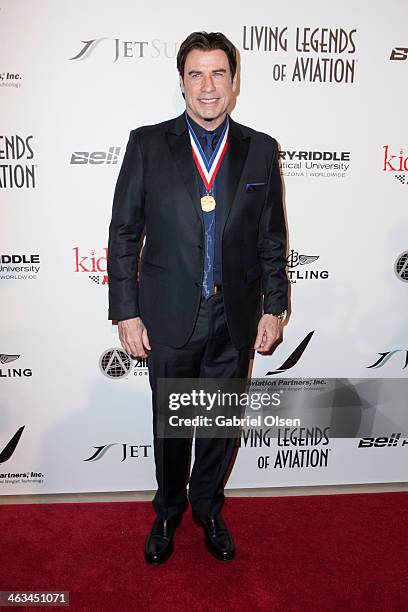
pixel 199 131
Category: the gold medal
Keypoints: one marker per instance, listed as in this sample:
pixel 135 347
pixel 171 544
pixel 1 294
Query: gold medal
pixel 207 203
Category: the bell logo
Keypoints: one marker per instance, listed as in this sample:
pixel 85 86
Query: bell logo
pixel 95 158
pixel 382 442
pixel 399 53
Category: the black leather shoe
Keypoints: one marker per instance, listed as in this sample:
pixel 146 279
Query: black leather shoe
pixel 159 543
pixel 218 539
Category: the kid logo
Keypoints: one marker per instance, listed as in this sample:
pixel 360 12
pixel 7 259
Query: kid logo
pixel 92 264
pixel 396 163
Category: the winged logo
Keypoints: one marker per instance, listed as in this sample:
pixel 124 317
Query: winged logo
pixel 294 259
pixel 305 259
pixel 4 358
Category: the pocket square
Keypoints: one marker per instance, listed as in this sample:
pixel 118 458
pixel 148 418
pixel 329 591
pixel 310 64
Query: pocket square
pixel 254 186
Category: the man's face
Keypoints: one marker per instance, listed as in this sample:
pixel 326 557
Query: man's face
pixel 207 86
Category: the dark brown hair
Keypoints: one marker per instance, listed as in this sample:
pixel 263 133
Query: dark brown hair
pixel 207 41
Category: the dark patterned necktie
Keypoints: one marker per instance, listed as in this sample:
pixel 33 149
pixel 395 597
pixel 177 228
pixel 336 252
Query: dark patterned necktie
pixel 209 225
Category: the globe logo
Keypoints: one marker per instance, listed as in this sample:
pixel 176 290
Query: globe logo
pixel 401 267
pixel 115 363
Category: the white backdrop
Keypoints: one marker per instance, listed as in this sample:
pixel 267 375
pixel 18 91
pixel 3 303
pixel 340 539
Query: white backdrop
pixel 67 106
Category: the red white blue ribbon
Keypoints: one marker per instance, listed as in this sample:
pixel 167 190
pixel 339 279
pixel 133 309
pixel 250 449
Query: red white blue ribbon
pixel 208 169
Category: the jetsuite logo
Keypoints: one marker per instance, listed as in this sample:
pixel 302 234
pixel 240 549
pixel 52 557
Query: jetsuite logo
pixel 315 163
pixel 15 171
pixel 18 266
pixel 127 451
pixel 395 162
pixel 387 355
pixel 296 272
pixel 117 49
pixel 305 54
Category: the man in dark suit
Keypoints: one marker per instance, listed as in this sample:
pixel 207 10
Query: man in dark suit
pixel 207 193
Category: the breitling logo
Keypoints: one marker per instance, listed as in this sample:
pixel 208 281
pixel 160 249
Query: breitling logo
pixel 12 372
pixel 296 259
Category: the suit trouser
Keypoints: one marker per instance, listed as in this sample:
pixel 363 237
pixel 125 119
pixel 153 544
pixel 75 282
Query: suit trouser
pixel 209 353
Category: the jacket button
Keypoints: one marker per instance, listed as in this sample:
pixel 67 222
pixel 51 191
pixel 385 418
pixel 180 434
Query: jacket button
pixel 199 246
pixel 197 284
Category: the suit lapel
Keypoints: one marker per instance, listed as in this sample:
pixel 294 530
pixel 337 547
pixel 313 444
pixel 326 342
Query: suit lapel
pixel 180 146
pixel 238 146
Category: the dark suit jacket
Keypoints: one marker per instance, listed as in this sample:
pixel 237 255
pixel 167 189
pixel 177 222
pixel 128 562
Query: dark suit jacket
pixel 157 191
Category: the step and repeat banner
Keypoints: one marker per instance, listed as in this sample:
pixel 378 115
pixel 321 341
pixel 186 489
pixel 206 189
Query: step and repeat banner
pixel 330 83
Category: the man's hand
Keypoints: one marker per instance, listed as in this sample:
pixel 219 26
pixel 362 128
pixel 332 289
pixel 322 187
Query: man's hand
pixel 269 333
pixel 133 337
